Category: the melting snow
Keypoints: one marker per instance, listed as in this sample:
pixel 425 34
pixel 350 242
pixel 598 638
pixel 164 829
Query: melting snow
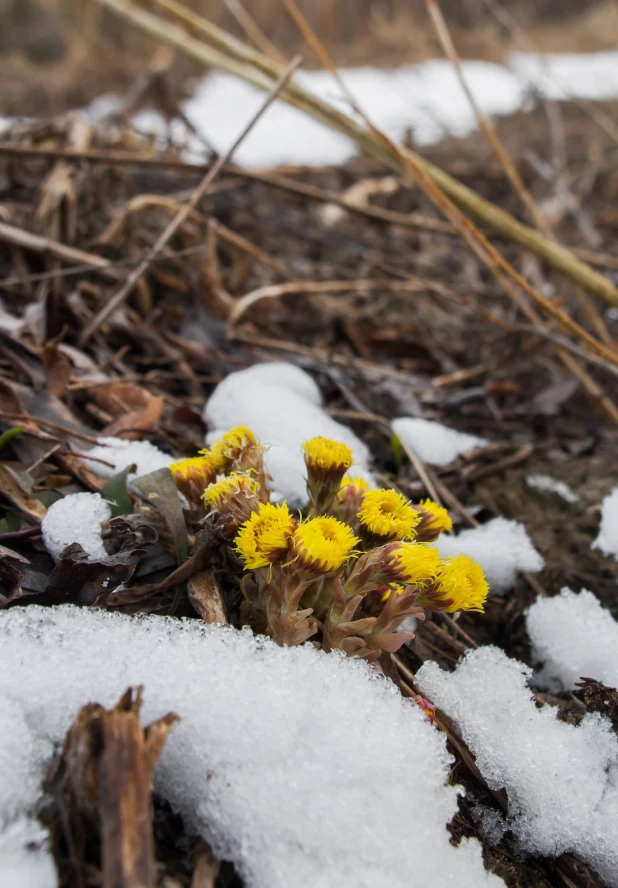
pixel 120 453
pixel 561 780
pixel 607 540
pixel 425 98
pixel 547 484
pixel 303 768
pixel 573 637
pixel 432 442
pixel 76 518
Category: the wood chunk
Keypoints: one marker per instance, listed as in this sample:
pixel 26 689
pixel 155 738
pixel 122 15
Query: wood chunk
pixel 205 596
pixel 107 768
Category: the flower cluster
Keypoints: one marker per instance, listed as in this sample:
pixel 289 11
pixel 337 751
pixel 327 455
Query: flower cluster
pixel 349 572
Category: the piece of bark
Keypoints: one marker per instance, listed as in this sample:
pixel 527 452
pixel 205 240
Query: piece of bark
pixel 108 763
pixel 205 596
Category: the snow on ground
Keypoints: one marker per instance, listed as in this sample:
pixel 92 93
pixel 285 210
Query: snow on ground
pixel 121 454
pixel 434 443
pixel 547 484
pixel 282 405
pixel 573 637
pixel 76 518
pixel 502 548
pixel 561 780
pixel 607 539
pixel 304 768
pixel 425 99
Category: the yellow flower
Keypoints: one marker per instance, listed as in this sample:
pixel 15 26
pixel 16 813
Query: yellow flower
pixel 387 515
pixel 227 450
pixel 237 496
pixel 327 455
pixel 322 545
pixel 264 537
pixel 355 482
pixel 193 475
pixel 413 563
pixel 434 520
pixel 326 462
pixel 461 585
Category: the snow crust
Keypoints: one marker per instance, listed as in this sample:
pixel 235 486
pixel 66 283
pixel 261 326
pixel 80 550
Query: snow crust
pixel 434 443
pixel 76 518
pixel 607 539
pixel 573 637
pixel 502 548
pixel 283 407
pixel 548 484
pixel 122 453
pixel 304 768
pixel 561 780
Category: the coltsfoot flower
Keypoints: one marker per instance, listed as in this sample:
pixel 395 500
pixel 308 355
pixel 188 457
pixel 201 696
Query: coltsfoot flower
pixel 193 475
pixel 412 564
pixel 402 563
pixel 327 461
pixel 235 496
pixel 435 520
pixel 264 537
pixel 387 515
pixel 460 585
pixel 350 483
pixel 322 545
pixel 231 451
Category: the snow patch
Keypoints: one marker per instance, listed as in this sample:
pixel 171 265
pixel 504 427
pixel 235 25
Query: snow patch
pixel 282 405
pixel 561 780
pixel 432 442
pixel 547 484
pixel 120 453
pixel 76 518
pixel 303 768
pixel 607 539
pixel 502 548
pixel 574 637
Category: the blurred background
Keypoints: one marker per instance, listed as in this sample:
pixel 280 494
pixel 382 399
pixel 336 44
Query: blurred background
pixel 60 54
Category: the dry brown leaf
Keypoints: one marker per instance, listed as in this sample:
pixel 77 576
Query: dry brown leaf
pixel 23 501
pixel 57 368
pixel 133 407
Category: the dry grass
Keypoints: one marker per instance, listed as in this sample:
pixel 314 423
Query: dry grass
pixel 47 63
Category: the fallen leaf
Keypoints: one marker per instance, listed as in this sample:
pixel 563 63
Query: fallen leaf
pixel 57 368
pixel 160 491
pixel 25 502
pixel 134 407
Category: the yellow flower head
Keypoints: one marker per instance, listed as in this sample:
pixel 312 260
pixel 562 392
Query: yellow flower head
pixel 461 584
pixel 264 538
pixel 228 449
pixel 327 455
pixel 387 515
pixel 413 563
pixel 350 484
pixel 434 520
pixel 193 475
pixel 238 484
pixel 323 545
